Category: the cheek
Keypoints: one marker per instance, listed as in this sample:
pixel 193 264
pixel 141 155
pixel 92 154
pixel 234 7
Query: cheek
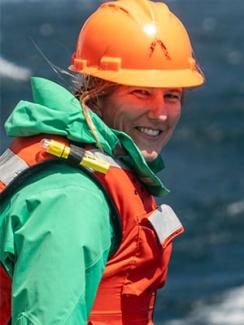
pixel 108 113
pixel 122 120
pixel 114 117
pixel 174 115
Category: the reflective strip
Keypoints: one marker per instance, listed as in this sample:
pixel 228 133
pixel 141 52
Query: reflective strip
pixel 10 166
pixel 113 162
pixel 165 223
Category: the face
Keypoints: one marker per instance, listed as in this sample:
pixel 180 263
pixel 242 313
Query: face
pixel 148 115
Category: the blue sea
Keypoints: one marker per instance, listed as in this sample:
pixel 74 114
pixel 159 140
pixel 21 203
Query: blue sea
pixel 204 161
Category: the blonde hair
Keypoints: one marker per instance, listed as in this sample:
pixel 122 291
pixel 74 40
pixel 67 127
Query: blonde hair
pixel 90 94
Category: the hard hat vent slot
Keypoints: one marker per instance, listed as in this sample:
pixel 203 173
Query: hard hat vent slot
pixel 115 6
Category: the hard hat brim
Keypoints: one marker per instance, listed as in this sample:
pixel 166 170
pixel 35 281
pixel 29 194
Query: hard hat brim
pixel 186 78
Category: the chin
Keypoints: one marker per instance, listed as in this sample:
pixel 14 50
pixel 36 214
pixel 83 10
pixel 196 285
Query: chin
pixel 149 156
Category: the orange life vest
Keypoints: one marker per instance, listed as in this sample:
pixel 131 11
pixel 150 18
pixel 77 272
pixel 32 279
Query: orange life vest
pixel 126 293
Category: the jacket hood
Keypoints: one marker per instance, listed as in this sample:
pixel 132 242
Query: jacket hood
pixel 56 111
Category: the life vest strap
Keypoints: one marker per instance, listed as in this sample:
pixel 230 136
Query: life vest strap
pixel 5 297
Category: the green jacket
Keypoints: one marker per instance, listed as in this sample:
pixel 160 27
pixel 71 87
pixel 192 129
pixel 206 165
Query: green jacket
pixel 55 231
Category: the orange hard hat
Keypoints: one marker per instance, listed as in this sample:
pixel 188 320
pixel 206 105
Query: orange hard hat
pixel 136 43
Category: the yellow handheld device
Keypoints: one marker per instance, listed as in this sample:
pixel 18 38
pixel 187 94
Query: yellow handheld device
pixel 85 158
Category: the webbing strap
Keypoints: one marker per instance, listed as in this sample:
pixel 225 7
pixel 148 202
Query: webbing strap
pixel 5 297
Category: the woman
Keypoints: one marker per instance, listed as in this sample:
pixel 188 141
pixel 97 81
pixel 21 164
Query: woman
pixel 82 239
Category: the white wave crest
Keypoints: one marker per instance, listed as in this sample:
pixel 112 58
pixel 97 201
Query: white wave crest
pixel 235 208
pixel 230 311
pixel 12 71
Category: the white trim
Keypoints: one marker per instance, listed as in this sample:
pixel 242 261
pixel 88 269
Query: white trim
pixel 10 166
pixel 165 222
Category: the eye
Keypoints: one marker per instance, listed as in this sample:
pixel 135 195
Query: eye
pixel 173 96
pixel 141 93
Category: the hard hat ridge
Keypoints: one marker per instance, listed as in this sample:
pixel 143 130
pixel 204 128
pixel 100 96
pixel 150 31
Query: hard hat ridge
pixel 146 6
pixel 138 10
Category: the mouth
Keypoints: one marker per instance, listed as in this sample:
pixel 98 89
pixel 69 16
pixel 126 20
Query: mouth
pixel 148 131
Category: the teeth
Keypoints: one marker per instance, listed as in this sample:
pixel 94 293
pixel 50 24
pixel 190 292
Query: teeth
pixel 150 132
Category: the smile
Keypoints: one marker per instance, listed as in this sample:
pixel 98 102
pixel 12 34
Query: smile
pixel 148 131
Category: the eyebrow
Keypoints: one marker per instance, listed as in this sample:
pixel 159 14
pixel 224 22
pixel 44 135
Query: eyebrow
pixel 179 90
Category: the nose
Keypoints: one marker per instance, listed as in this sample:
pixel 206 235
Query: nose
pixel 158 109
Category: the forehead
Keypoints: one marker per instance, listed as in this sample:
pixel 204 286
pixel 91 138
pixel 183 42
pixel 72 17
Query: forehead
pixel 123 89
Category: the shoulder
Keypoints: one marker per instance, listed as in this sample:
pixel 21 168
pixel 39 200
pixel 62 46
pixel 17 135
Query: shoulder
pixel 60 206
pixel 61 187
pixel 60 177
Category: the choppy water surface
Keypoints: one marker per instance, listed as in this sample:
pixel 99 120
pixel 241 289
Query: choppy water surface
pixel 204 160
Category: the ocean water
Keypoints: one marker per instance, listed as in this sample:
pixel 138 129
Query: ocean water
pixel 204 160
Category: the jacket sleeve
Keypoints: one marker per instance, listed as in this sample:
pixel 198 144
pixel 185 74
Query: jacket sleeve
pixel 56 242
